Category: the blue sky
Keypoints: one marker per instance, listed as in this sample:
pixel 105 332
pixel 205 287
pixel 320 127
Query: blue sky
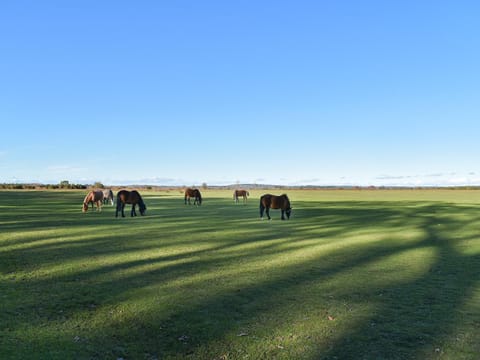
pixel 285 92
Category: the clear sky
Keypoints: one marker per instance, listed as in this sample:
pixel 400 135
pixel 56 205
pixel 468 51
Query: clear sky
pixel 286 92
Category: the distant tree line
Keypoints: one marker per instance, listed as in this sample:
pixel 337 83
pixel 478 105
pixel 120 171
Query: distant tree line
pixel 65 184
pixel 62 185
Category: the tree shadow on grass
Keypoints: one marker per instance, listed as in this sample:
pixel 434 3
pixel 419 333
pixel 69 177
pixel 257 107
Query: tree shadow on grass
pixel 194 316
pixel 421 318
pixel 412 319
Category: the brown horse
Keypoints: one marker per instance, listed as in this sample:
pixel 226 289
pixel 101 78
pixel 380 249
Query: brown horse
pixel 193 193
pixel 269 201
pixel 94 197
pixel 130 197
pixel 242 193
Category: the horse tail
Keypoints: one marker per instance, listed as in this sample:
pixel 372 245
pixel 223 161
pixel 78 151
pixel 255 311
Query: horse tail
pixel 119 201
pixel 248 194
pixel 262 207
pixel 199 198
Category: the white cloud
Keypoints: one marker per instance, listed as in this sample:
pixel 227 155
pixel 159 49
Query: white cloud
pixel 432 179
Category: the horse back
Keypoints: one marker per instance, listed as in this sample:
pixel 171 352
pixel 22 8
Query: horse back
pixel 129 197
pixel 97 195
pixel 191 192
pixel 93 196
pixel 241 193
pixel 275 202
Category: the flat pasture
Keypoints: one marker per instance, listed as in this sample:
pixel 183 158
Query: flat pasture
pixel 354 274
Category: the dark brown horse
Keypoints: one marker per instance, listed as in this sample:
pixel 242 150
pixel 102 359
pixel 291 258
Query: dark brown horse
pixel 193 193
pixel 281 202
pixel 130 197
pixel 242 193
pixel 93 197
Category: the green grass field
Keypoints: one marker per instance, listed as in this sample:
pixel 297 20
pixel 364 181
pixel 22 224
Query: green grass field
pixel 352 275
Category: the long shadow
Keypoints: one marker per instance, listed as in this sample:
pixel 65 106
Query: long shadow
pixel 384 334
pixel 434 312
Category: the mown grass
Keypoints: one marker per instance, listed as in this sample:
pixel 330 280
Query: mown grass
pixel 353 275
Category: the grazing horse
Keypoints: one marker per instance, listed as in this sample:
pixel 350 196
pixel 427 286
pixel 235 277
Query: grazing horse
pixel 269 201
pixel 107 196
pixel 195 193
pixel 94 197
pixel 130 197
pixel 242 193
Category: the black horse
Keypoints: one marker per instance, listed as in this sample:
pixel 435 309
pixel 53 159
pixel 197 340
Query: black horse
pixel 269 201
pixel 130 197
pixel 193 193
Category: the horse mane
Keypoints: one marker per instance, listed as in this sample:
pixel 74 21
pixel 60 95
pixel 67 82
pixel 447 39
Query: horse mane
pixel 88 196
pixel 140 200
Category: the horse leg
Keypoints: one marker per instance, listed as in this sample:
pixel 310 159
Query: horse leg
pixel 133 212
pixel 123 210
pixel 283 214
pixel 267 211
pixel 262 208
pixel 119 207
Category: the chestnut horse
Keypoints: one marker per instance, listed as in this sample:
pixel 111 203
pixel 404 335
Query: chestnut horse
pixel 193 193
pixel 130 197
pixel 242 193
pixel 107 196
pixel 281 202
pixel 94 197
